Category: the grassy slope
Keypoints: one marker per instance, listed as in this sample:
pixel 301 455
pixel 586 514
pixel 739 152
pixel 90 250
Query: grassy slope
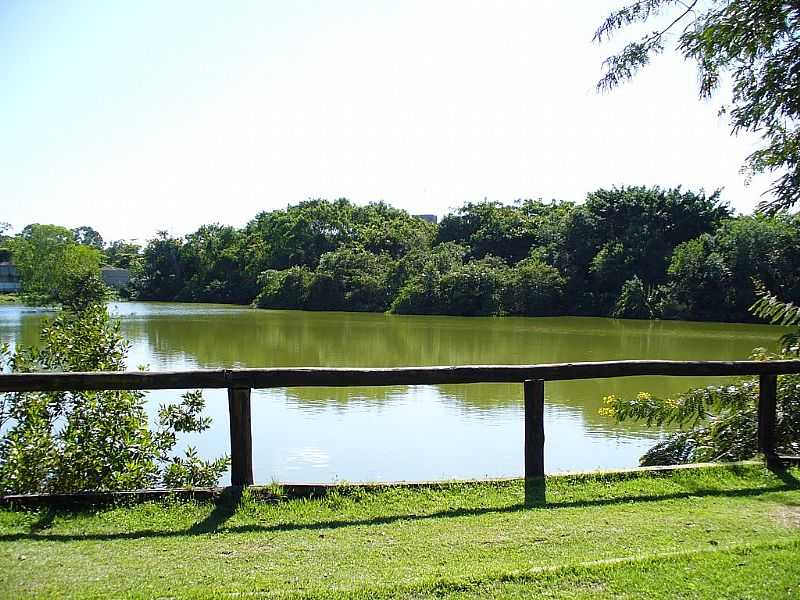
pixel 690 534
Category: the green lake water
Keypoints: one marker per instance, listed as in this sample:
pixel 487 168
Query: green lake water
pixel 411 432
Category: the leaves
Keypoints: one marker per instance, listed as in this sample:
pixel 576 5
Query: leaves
pixel 720 422
pixel 68 441
pixel 768 306
pixel 756 42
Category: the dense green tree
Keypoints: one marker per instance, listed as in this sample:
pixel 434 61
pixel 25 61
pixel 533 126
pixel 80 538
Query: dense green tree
pixel 490 228
pixel 160 274
pixel 632 231
pixel 88 236
pixel 285 289
pixel 534 288
pixel 714 277
pixel 421 273
pixel 352 278
pixel 474 288
pixel 301 234
pixel 754 43
pixel 634 302
pixel 122 254
pixel 684 249
pixel 382 229
pixel 45 255
pixel 700 281
pixel 211 261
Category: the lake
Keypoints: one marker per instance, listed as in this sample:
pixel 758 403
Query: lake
pixel 411 432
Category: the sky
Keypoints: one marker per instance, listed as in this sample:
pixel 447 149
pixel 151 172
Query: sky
pixel 139 116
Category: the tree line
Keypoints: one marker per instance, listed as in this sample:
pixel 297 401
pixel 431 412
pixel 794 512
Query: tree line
pixel 630 252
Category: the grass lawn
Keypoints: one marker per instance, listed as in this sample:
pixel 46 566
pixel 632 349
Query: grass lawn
pixel 8 298
pixel 720 532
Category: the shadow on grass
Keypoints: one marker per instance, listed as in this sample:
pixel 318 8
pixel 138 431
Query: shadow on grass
pixel 535 490
pixel 789 480
pixel 224 509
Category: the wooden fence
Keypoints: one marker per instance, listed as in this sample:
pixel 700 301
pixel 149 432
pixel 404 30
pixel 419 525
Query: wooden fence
pixel 239 383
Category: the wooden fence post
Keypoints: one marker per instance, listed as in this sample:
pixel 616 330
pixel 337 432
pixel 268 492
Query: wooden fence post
pixel 241 436
pixel 534 428
pixel 767 417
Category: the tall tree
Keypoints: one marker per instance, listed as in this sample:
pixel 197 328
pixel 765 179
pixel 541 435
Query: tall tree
pixel 45 255
pixel 755 43
pixel 88 236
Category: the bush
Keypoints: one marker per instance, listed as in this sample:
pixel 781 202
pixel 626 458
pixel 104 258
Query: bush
pixel 284 289
pixel 475 288
pixel 352 278
pixel 720 423
pixel 419 278
pixel 535 289
pixel 634 301
pixel 70 441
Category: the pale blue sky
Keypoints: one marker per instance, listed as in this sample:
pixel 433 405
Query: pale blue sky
pixel 137 116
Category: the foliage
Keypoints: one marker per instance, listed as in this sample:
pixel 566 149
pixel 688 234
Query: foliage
pixel 712 277
pixel 720 423
pixel 46 256
pixel 534 288
pixel 284 289
pixel 627 252
pixel 122 254
pixel 768 306
pixel 631 231
pixel 68 441
pixel 352 278
pixel 422 271
pixel 474 288
pixel 88 236
pixel 634 302
pixel 756 44
pixel 490 228
pixel 224 264
pixel 160 273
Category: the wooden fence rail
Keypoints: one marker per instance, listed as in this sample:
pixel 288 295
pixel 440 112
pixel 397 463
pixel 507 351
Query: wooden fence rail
pixel 240 382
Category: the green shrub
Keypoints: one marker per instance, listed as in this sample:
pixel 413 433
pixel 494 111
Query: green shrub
pixel 70 441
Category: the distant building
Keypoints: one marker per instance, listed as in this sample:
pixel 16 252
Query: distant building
pixel 429 218
pixel 9 278
pixel 115 278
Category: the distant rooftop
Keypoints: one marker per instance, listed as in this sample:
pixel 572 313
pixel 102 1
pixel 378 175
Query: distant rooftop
pixel 429 218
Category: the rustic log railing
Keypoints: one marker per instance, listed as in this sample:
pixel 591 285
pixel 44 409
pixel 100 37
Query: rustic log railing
pixel 239 383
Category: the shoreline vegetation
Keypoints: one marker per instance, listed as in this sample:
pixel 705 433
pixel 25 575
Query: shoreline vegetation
pixel 642 535
pixel 630 252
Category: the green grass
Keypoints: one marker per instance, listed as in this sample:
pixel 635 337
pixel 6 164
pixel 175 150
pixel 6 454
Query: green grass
pixel 9 298
pixel 720 532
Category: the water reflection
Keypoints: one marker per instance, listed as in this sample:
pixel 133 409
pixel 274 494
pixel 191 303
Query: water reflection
pixel 411 432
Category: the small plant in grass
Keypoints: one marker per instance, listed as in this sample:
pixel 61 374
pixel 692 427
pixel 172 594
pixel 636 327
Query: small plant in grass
pixel 69 441
pixel 720 423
